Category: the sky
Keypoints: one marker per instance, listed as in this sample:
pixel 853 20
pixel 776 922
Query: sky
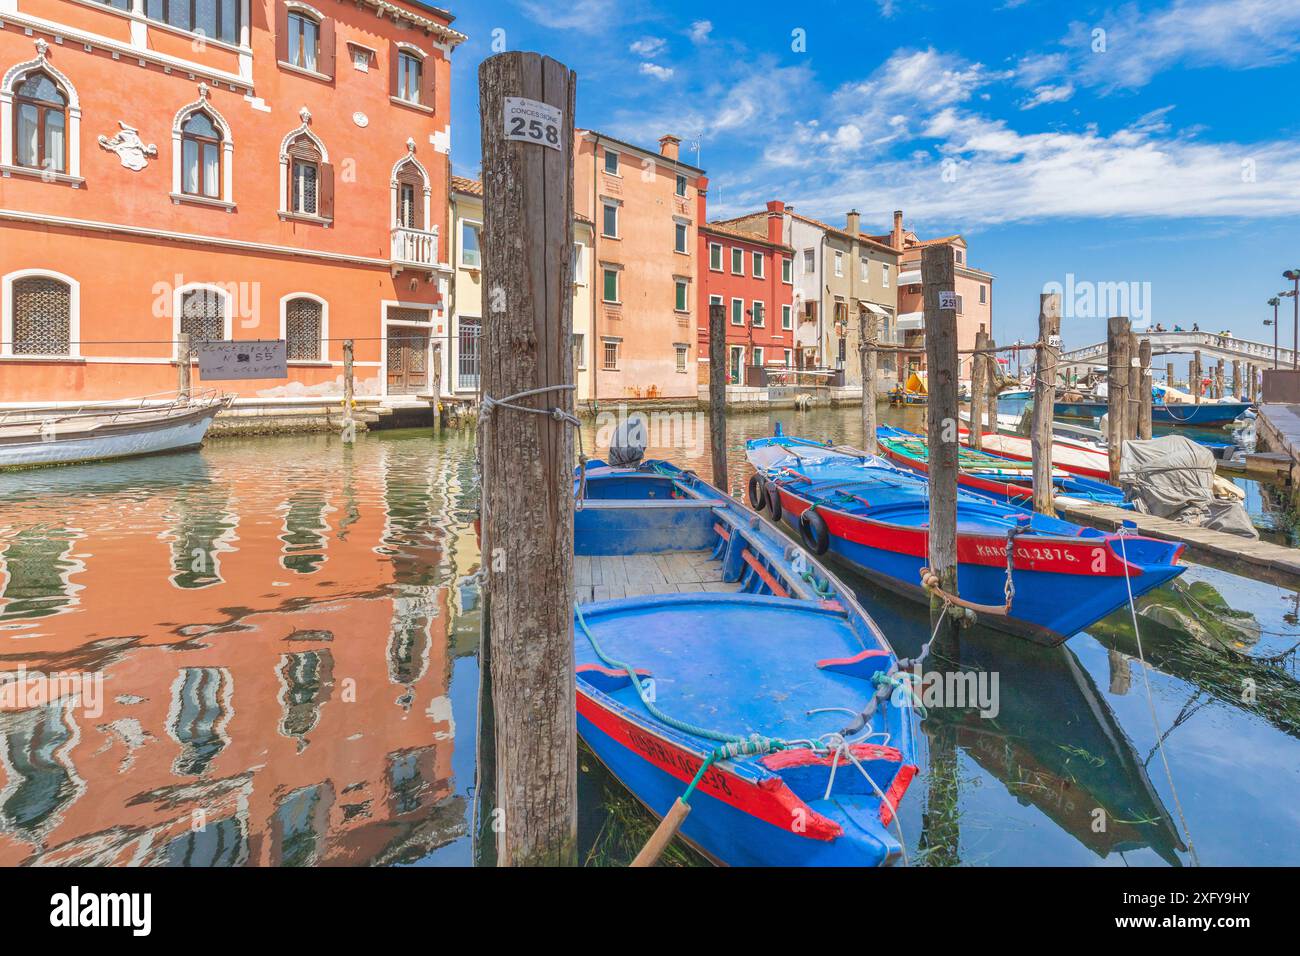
pixel 1151 147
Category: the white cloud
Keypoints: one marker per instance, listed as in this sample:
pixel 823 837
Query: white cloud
pixel 585 16
pixel 700 30
pixel 657 71
pixel 1048 94
pixel 648 47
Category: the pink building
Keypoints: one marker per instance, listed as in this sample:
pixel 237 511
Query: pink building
pixel 647 207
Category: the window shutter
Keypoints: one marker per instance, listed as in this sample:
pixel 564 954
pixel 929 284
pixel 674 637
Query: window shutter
pixel 429 82
pixel 326 63
pixel 281 31
pixel 392 69
pixel 325 204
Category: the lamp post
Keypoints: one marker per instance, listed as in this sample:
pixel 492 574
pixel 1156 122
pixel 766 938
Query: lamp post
pixel 1294 276
pixel 1274 302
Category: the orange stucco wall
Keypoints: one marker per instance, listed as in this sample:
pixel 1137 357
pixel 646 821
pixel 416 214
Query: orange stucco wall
pixel 122 277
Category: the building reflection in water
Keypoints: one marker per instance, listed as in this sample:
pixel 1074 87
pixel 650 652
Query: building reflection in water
pixel 248 715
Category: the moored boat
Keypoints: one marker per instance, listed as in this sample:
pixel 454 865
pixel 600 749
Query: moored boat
pixel 875 517
pixel 1206 413
pixel 715 659
pixel 35 437
pixel 1001 476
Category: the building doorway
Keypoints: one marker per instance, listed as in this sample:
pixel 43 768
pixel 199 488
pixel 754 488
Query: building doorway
pixel 408 361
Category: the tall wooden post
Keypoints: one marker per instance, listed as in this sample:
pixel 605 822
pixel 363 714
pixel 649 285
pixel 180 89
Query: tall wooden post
pixel 183 349
pixel 1048 354
pixel 940 317
pixel 1219 380
pixel 349 425
pixel 868 325
pixel 718 394
pixel 1144 406
pixel 1236 379
pixel 1196 377
pixel 1117 393
pixel 528 538
pixel 1169 374
pixel 994 388
pixel 977 386
pixel 1134 411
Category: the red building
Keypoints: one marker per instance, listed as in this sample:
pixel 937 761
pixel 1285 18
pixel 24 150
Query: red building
pixel 753 278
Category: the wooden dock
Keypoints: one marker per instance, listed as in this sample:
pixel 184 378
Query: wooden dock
pixel 1229 552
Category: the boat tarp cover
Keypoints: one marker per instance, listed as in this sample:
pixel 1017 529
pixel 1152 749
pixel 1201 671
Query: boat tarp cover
pixel 1173 477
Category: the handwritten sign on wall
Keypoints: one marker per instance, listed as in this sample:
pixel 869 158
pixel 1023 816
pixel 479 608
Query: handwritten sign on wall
pixel 259 358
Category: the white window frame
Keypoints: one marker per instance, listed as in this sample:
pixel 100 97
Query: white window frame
pixel 759 311
pixel 682 229
pixel 460 244
pixel 884 274
pixel 579 260
pixel 787 318
pixel 581 344
pixel 204 105
pixel 756 265
pixel 757 356
pixel 839 263
pixel 7 315
pixel 715 247
pixel 605 342
pixel 864 269
pixel 809 261
pixel 323 358
pixel 737 253
pixel 394 186
pixel 227 316
pixel 680 283
pixel 731 316
pixel 618 283
pixel 618 220
pixel 12 78
pixel 683 357
pixel 680 186
pixel 618 163
pixel 787 270
pixel 303 130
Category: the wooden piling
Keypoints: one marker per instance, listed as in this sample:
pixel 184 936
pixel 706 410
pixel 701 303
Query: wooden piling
pixel 1144 406
pixel 1219 380
pixel 977 369
pixel 183 370
pixel 349 425
pixel 718 394
pixel 527 460
pixel 1134 411
pixel 1236 379
pixel 1196 377
pixel 1047 355
pixel 867 331
pixel 937 283
pixel 994 388
pixel 1169 374
pixel 1117 388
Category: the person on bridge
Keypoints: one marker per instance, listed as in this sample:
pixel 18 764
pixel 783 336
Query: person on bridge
pixel 1196 327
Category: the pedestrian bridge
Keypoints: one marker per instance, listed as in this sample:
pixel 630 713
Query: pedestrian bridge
pixel 1209 344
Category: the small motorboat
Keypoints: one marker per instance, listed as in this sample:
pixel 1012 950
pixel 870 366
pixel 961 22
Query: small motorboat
pixel 1206 413
pixel 716 660
pixel 915 391
pixel 875 517
pixel 34 437
pixel 1078 456
pixel 1002 477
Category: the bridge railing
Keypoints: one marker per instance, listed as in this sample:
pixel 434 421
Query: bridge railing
pixel 1227 346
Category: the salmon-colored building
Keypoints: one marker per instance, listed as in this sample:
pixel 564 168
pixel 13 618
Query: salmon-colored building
pixel 974 288
pixel 237 169
pixel 647 208
pixel 753 279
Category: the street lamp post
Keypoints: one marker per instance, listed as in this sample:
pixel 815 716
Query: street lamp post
pixel 1294 276
pixel 1274 302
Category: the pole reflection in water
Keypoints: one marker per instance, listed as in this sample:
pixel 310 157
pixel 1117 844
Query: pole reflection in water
pixel 288 675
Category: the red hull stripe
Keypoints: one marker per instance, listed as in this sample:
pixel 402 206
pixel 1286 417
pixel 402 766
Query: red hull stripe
pixel 765 574
pixel 902 780
pixel 860 656
pixel 771 801
pixel 1083 556
pixel 806 758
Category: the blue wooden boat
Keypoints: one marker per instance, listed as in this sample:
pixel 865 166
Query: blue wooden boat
pixel 762 688
pixel 1206 413
pixel 999 477
pixel 875 517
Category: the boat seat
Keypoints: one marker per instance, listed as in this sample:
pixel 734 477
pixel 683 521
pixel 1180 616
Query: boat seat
pixel 607 680
pixel 864 665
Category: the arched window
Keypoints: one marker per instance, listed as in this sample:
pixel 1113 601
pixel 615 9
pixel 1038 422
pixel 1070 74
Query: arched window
pixel 203 314
pixel 40 124
pixel 304 40
pixel 304 323
pixel 410 196
pixel 201 157
pixel 41 316
pixel 304 177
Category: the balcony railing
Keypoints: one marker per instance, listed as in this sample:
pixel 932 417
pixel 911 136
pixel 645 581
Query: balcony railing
pixel 415 247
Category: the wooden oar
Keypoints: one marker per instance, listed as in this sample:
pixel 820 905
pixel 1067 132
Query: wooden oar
pixel 663 835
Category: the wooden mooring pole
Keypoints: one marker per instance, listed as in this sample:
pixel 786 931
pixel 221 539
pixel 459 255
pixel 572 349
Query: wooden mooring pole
pixel 994 388
pixel 183 370
pixel 1134 411
pixel 977 386
pixel 1196 377
pixel 867 331
pixel 940 316
pixel 718 394
pixel 527 459
pixel 1144 407
pixel 1117 387
pixel 1047 355
pixel 349 425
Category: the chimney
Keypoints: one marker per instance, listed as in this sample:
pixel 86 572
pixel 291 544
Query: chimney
pixel 853 223
pixel 668 146
pixel 776 221
pixel 896 237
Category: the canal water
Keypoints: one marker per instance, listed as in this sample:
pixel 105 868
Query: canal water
pixel 276 666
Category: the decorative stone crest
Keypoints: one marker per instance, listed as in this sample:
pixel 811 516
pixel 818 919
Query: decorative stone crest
pixel 130 149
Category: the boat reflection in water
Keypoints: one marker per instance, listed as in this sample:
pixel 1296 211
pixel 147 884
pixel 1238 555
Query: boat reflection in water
pixel 273 691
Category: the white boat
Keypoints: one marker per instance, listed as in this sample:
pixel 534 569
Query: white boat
pixel 33 437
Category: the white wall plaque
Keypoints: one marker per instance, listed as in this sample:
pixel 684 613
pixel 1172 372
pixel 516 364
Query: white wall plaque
pixel 531 121
pixel 947 300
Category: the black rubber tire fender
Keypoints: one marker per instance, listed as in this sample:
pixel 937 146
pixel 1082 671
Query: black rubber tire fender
pixel 812 528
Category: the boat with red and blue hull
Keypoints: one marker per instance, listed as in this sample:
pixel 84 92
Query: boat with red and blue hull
pixel 710 648
pixel 874 516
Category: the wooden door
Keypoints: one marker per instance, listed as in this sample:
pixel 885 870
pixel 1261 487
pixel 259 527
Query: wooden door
pixel 408 361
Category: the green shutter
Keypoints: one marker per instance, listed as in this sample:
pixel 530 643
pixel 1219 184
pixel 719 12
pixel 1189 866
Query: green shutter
pixel 611 285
